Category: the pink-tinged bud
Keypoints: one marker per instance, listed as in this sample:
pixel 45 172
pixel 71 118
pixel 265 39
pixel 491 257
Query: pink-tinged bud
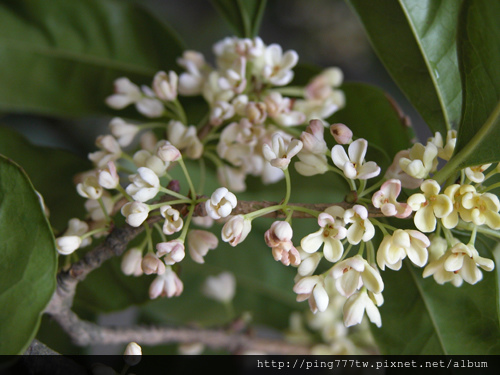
pixel 165 85
pixel 256 112
pixel 108 177
pixel 199 243
pixel 174 251
pixel 236 230
pixel 166 285
pixel 168 152
pixel 132 354
pixel 341 133
pixel 151 264
pixel 132 262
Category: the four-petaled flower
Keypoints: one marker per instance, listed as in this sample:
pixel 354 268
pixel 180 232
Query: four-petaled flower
pixel 354 165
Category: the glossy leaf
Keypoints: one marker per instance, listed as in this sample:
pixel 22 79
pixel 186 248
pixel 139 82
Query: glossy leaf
pixel 244 16
pixel 28 267
pixel 479 57
pixel 51 171
pixel 61 57
pixel 372 114
pixel 420 316
pixel 416 41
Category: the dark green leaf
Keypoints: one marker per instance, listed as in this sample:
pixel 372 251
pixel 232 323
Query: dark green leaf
pixel 479 58
pixel 28 267
pixel 372 114
pixel 51 172
pixel 416 41
pixel 420 316
pixel 61 57
pixel 244 16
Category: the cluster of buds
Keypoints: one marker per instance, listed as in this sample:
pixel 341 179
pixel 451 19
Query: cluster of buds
pixel 253 128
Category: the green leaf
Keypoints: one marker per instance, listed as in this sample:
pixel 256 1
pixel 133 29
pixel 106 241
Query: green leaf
pixel 61 57
pixel 479 57
pixel 51 171
pixel 28 267
pixel 420 316
pixel 372 114
pixel 244 16
pixel 416 41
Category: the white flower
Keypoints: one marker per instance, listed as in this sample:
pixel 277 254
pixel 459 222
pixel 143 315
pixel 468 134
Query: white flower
pixel 353 273
pixel 236 229
pixel 165 85
pixel 464 260
pixel 445 150
pixel 168 152
pixel 393 249
pixel 123 131
pixel 312 288
pixel 280 153
pixel 145 185
pixel 459 263
pixel 149 106
pixel 429 206
pixel 278 66
pixel 68 244
pixel 174 251
pixel 341 133
pixel 148 159
pixel 151 264
pixel 313 138
pixel 308 262
pixel 72 238
pixel 234 78
pixel 475 174
pixel 329 235
pixel 110 150
pixel 421 160
pixel 94 208
pixel 231 178
pixel 173 220
pixel 395 172
pixel 125 93
pixel 108 177
pixel 166 285
pixel 279 239
pixel 353 165
pixel 90 188
pixel 220 112
pixel 311 164
pixel 361 228
pixel 191 81
pixel 185 139
pixel 355 307
pixel 279 108
pixel 132 354
pixel 221 203
pixel 221 287
pixel 321 86
pixel 132 262
pixel 135 213
pixel 199 243
pixel 386 200
pixel 481 209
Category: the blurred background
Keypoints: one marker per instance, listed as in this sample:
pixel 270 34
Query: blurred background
pixel 323 32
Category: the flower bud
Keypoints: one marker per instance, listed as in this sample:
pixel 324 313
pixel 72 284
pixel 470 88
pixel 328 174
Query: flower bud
pixel 90 188
pixel 132 262
pixel 220 288
pixel 199 243
pixel 135 213
pixel 236 230
pixel 174 251
pixel 108 177
pixel 151 264
pixel 132 354
pixel 341 133
pixel 221 203
pixel 124 132
pixel 167 284
pixel 67 244
pixel 168 152
pixel 165 86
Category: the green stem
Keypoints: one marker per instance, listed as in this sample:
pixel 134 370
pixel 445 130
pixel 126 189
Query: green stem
pixel 263 211
pixel 170 203
pixel 188 178
pixel 460 158
pixel 314 213
pixel 371 188
pixel 185 228
pixel 124 193
pixel 288 187
pixel 173 193
pixel 103 208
